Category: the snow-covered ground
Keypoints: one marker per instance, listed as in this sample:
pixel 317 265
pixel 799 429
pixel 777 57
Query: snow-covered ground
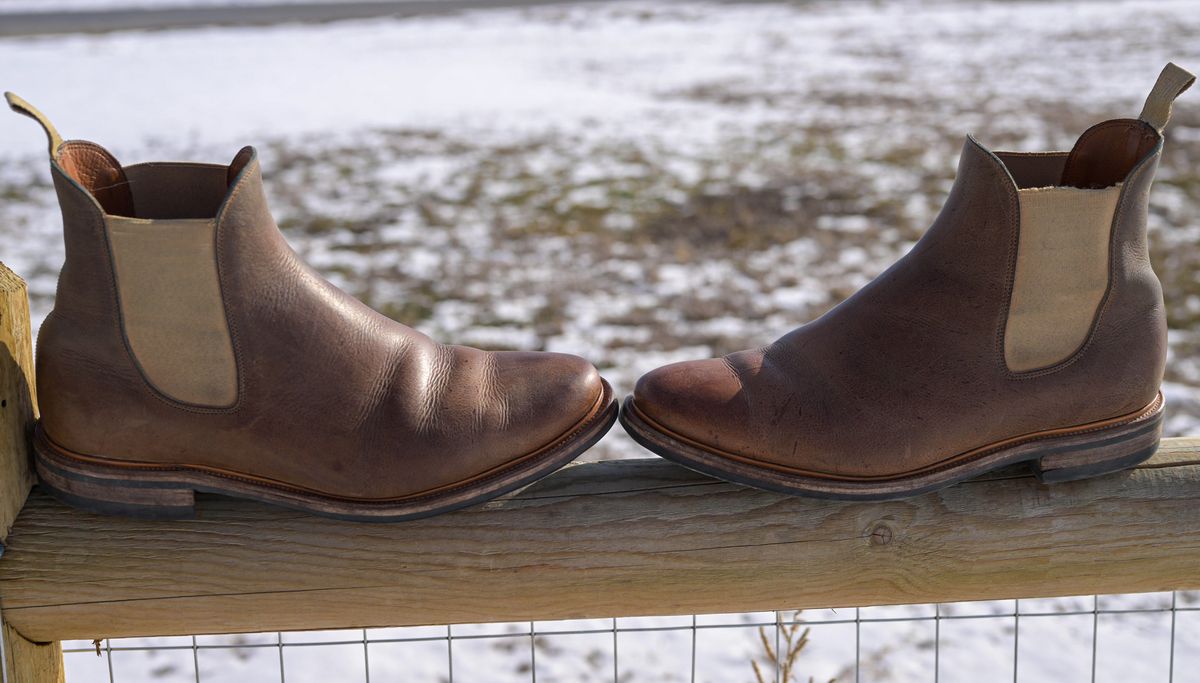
pixel 636 182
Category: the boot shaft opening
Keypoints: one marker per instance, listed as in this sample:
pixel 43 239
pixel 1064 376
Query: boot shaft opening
pixel 154 190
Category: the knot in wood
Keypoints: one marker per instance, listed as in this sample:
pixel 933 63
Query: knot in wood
pixel 880 534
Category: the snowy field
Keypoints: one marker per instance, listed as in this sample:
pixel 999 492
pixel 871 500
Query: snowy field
pixel 638 183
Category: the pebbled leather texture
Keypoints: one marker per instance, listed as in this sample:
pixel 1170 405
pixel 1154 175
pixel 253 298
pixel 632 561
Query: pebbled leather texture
pixel 332 396
pixel 910 370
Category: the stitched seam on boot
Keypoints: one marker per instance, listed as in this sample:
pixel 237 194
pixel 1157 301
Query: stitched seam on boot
pixel 1014 230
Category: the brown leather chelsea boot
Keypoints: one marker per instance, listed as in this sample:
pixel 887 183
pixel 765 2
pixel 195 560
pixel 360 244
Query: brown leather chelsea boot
pixel 190 349
pixel 1025 326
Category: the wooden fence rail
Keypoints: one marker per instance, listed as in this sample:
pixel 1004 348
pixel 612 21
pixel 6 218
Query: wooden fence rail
pixel 621 538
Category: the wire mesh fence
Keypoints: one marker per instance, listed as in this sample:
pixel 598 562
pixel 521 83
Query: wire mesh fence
pixel 1146 637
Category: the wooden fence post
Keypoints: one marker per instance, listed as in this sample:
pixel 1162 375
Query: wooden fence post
pixel 24 661
pixel 18 399
pixel 27 662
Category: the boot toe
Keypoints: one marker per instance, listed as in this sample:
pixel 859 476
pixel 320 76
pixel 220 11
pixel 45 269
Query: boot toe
pixel 546 395
pixel 702 401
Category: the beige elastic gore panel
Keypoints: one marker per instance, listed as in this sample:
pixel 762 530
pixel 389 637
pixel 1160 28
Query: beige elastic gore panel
pixel 166 273
pixel 1061 274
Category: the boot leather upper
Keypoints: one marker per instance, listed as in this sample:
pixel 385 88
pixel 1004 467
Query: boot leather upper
pixel 330 396
pixel 910 372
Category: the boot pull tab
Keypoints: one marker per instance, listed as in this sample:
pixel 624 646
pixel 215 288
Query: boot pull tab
pixel 20 106
pixel 1171 83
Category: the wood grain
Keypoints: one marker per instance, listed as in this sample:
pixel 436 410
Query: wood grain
pixel 619 538
pixel 18 399
pixel 27 662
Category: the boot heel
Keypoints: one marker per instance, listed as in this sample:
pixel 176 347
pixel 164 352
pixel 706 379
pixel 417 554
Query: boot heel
pixel 107 490
pixel 1100 452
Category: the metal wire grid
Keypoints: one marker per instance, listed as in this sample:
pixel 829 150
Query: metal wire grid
pixel 106 648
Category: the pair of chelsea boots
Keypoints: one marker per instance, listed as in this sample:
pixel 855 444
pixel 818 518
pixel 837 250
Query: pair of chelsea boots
pixel 190 349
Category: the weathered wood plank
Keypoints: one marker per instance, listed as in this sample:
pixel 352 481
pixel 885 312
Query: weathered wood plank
pixel 603 539
pixel 24 661
pixel 27 662
pixel 18 400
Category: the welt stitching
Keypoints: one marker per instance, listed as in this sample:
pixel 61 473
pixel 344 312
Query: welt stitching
pixel 952 462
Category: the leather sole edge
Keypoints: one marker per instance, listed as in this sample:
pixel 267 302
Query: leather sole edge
pixel 1065 455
